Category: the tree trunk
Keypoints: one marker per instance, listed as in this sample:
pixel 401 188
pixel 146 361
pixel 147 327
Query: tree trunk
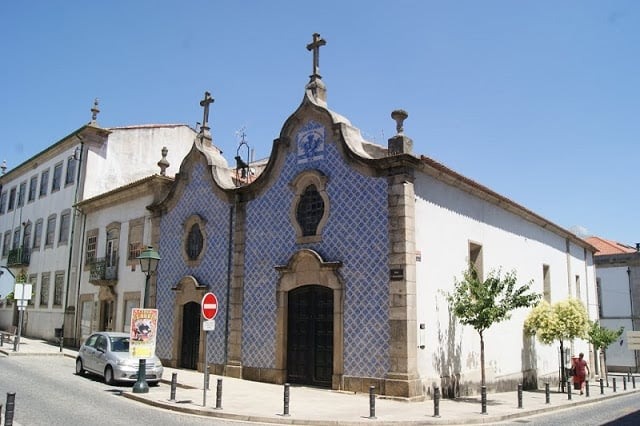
pixel 483 381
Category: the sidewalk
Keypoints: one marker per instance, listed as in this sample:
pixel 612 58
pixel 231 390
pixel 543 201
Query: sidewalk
pixel 263 402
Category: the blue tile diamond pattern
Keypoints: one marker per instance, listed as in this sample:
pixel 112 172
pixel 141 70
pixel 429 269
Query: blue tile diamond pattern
pixel 212 271
pixel 356 234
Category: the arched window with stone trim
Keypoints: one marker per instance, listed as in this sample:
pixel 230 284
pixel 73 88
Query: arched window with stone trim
pixel 194 239
pixel 310 207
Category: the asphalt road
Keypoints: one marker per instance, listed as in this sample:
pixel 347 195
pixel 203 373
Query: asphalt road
pixel 620 411
pixel 49 393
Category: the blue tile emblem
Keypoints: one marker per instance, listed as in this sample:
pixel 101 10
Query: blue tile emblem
pixel 310 142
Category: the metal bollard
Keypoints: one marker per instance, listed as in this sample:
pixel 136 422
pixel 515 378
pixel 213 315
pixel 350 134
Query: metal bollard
pixel 633 381
pixel 483 399
pixel 286 400
pixel 614 384
pixel 569 386
pixel 624 383
pixel 547 398
pixel 601 386
pixel 219 395
pixel 436 402
pixel 11 406
pixel 372 402
pixel 174 382
pixel 519 395
pixel 586 387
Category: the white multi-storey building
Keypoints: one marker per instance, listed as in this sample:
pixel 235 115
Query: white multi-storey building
pixel 41 231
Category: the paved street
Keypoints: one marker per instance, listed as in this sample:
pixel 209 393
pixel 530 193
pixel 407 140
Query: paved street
pixel 48 392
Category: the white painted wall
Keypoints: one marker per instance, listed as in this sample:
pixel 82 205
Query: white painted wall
pixel 133 152
pixel 446 220
pixel 614 288
pixel 130 277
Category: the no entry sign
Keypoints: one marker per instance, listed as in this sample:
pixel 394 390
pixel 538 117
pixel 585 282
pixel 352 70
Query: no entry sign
pixel 209 306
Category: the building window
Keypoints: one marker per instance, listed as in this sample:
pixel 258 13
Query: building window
pixel 113 245
pixel 33 280
pixel 194 242
pixel 26 237
pixel 546 283
pixel 71 171
pixel 37 235
pixel 310 207
pixel 136 232
pixel 3 202
pixel 6 245
pixel 65 222
pixel 12 199
pixel 16 238
pixel 58 286
pixel 33 188
pixel 21 193
pixel 475 260
pixel 194 239
pixel 51 231
pixel 92 244
pixel 578 289
pixel 310 210
pixel 44 183
pixel 57 177
pixel 44 290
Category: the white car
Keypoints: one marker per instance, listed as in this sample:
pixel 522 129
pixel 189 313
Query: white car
pixel 106 354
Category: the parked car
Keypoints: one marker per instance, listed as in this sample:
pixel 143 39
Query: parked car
pixel 106 354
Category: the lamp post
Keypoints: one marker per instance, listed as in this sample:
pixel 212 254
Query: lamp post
pixel 148 263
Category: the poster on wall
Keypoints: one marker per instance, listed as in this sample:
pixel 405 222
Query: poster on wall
pixel 144 325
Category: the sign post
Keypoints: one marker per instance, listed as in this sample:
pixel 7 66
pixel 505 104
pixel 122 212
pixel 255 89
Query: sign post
pixel 209 307
pixel 22 295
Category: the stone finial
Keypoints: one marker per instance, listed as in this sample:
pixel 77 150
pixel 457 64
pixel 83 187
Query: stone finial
pixel 4 166
pixel 400 144
pixel 163 163
pixel 95 111
pixel 399 115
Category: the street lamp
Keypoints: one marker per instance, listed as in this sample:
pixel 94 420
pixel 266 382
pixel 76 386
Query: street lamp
pixel 148 263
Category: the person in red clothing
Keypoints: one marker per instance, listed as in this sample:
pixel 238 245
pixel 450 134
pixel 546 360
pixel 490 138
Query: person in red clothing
pixel 582 369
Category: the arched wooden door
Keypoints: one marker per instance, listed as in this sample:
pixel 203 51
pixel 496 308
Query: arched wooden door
pixel 310 336
pixel 190 336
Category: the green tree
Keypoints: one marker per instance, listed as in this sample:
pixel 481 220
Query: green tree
pixel 562 321
pixel 601 337
pixel 481 304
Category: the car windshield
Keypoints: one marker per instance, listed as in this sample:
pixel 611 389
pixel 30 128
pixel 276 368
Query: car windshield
pixel 120 344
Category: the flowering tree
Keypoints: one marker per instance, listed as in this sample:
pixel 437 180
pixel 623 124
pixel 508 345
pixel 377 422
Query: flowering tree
pixel 564 320
pixel 601 337
pixel 480 304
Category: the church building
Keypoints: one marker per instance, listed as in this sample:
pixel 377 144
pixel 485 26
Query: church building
pixel 331 261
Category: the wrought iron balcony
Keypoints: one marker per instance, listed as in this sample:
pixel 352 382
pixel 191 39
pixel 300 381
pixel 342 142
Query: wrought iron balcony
pixel 19 257
pixel 104 271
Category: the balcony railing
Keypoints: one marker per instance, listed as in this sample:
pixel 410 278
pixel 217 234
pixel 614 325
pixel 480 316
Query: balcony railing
pixel 19 257
pixel 103 271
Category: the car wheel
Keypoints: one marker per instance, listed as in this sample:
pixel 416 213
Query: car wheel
pixel 79 367
pixel 108 375
pixel 154 384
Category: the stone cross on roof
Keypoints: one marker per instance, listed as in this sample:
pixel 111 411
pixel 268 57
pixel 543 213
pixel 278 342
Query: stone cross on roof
pixel 315 46
pixel 94 111
pixel 205 103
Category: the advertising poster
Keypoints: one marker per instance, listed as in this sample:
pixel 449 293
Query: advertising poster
pixel 144 325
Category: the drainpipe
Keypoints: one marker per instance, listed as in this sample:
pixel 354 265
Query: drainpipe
pixel 73 225
pixel 229 264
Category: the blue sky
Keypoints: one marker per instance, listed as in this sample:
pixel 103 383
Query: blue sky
pixel 538 100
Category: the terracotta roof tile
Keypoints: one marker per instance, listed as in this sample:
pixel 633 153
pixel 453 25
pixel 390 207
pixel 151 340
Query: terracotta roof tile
pixel 606 247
